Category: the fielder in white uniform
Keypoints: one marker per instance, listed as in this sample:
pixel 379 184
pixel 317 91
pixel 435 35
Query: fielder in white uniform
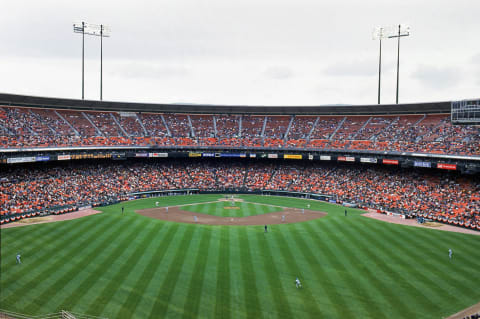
pixel 450 253
pixel 18 259
pixel 298 284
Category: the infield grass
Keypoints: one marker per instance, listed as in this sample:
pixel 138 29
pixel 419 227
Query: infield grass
pixel 135 267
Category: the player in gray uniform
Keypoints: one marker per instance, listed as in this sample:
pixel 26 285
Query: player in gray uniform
pixel 283 218
pixel 195 218
pixel 18 259
pixel 166 208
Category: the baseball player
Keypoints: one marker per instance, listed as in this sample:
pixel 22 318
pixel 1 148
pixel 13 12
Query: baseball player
pixel 345 212
pixel 18 259
pixel 265 228
pixel 298 284
pixel 308 206
pixel 123 209
pixel 195 218
pixel 283 218
pixel 450 253
pixel 303 210
pixel 166 209
pixel 156 204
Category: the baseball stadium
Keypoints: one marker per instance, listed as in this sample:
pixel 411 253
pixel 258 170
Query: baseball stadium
pixel 136 210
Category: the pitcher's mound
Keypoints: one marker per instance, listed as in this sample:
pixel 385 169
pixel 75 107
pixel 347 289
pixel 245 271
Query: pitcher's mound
pixel 175 214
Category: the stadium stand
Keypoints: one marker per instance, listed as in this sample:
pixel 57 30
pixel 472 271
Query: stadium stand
pixel 451 198
pixel 433 134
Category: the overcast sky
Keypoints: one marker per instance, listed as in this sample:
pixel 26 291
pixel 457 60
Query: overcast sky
pixel 255 52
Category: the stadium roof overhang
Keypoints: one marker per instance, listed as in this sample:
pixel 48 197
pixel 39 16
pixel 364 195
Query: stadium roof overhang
pixel 62 103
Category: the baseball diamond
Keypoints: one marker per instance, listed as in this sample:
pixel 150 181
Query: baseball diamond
pixel 133 266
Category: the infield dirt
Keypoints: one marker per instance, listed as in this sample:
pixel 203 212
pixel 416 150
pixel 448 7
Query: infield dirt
pixel 175 214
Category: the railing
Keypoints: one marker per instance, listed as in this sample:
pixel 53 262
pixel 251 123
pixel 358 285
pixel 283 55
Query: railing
pixel 63 314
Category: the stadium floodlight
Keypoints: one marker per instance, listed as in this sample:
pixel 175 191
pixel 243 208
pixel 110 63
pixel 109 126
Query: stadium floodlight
pixel 403 31
pixel 379 33
pixel 95 30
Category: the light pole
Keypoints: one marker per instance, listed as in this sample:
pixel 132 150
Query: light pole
pixel 403 31
pixel 97 30
pixel 379 33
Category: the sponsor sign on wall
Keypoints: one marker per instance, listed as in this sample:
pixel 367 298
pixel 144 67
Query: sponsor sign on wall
pixel 390 162
pixel 341 159
pixel 13 160
pixel 158 155
pixel 63 157
pixel 292 156
pixel 191 154
pixel 325 158
pixel 141 154
pixel 368 160
pixel 422 164
pixel 272 155
pixel 208 154
pixel 42 158
pixel 310 157
pixel 350 159
pixel 447 166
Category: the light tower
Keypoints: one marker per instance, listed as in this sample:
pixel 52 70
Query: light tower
pixel 379 33
pixel 96 30
pixel 403 31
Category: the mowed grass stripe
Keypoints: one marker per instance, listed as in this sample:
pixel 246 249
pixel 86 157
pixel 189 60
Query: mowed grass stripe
pixel 307 298
pixel 71 270
pixel 42 268
pixel 437 265
pixel 222 302
pixel 316 268
pixel 352 277
pixel 367 271
pixel 386 261
pixel 249 280
pixel 162 299
pixel 278 294
pixel 131 307
pixel 440 289
pixel 103 261
pixel 123 259
pixel 134 246
pixel 178 303
pixel 197 278
pixel 337 279
pixel 37 248
pixel 436 243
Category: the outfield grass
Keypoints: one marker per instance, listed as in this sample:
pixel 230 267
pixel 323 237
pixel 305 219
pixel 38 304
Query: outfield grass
pixel 135 267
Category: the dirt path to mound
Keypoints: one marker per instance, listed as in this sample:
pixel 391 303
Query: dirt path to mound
pixel 175 214
pixel 413 222
pixel 51 218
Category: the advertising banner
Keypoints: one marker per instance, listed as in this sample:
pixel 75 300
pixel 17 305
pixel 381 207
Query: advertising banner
pixel 422 164
pixel 63 157
pixel 390 162
pixel 191 154
pixel 368 160
pixel 13 160
pixel 292 156
pixel 447 166
pixel 272 155
pixel 163 155
pixel 325 158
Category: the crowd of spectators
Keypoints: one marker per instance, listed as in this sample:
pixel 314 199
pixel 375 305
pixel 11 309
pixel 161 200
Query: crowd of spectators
pixel 448 197
pixel 21 127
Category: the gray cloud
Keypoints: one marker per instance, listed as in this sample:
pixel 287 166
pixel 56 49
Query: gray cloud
pixel 437 77
pixel 352 68
pixel 278 72
pixel 149 71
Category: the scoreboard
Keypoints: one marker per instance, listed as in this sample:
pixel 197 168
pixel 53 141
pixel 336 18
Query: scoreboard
pixel 466 112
